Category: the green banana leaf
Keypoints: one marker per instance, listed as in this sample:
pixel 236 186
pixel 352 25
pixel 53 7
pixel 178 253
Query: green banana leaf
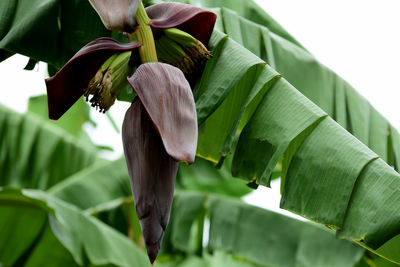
pixel 103 190
pixel 36 154
pixel 110 182
pixel 73 120
pixel 326 89
pixel 316 147
pixel 41 230
pixel 373 260
pixel 326 171
pixel 95 185
pixel 252 235
pixel 49 30
pixel 216 259
pixel 249 10
pixel 204 177
pixel 185 231
pixel 104 182
pixel 321 85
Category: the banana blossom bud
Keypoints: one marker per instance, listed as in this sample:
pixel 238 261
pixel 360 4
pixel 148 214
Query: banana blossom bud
pixel 159 130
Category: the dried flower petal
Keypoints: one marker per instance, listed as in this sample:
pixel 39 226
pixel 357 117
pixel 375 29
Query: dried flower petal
pixel 152 172
pixel 169 101
pixel 117 15
pixel 65 88
pixel 196 21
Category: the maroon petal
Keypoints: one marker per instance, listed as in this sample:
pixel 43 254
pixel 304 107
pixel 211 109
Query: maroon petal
pixel 196 21
pixel 117 15
pixel 169 101
pixel 65 88
pixel 152 172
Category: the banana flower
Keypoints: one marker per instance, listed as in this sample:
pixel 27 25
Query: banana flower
pixel 159 130
pixel 160 127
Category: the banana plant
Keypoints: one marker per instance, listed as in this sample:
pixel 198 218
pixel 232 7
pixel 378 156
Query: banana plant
pixel 338 156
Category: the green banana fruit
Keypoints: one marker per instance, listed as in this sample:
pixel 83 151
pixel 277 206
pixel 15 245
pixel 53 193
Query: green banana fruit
pixel 181 37
pixel 163 52
pixel 181 50
pixel 108 62
pixel 170 48
pixel 109 80
pixel 120 69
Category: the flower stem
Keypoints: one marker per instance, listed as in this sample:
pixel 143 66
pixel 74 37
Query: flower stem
pixel 144 35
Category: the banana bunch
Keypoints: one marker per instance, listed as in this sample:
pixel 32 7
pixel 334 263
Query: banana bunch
pixel 181 50
pixel 108 81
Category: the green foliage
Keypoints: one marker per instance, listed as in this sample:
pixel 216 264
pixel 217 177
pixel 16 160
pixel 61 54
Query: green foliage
pixel 95 185
pixel 315 81
pixel 34 154
pixel 103 190
pixel 49 32
pixel 73 120
pixel 49 224
pixel 261 113
pixel 255 236
pixel 287 123
pixel 204 177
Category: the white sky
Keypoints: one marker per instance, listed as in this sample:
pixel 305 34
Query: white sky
pixel 358 39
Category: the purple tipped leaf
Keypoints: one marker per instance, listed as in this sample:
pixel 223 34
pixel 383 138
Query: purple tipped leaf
pixel 196 21
pixel 152 172
pixel 117 15
pixel 168 99
pixel 65 88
